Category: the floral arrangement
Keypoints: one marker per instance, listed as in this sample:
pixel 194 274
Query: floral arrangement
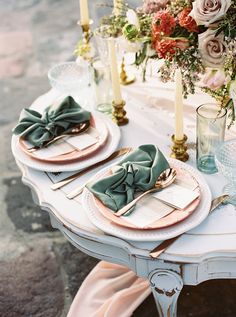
pixel 197 36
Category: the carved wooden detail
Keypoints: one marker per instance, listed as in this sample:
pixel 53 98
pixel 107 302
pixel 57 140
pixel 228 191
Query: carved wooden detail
pixel 166 286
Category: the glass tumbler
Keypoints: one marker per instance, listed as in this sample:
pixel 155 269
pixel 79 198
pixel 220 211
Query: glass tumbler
pixel 211 121
pixel 101 83
pixel 226 163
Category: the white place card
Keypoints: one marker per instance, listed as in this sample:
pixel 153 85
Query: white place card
pixel 82 141
pixel 177 196
pixel 55 149
pixel 147 211
pixel 93 132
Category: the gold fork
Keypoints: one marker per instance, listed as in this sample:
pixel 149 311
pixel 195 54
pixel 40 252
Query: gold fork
pixel 69 179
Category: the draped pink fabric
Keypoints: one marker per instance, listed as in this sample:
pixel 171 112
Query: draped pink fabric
pixel 110 290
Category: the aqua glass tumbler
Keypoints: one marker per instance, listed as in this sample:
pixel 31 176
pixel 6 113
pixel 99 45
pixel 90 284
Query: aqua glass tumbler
pixel 211 121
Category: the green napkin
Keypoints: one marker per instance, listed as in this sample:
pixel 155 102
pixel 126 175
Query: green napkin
pixel 40 128
pixel 138 171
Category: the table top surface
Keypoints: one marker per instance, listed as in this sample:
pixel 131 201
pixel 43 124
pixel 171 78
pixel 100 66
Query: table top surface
pixel 150 108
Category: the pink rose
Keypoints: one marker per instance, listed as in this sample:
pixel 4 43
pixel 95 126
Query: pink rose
pixel 214 79
pixel 206 12
pixel 213 49
pixel 153 6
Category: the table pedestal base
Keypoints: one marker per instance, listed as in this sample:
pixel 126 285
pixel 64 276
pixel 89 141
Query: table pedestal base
pixel 166 287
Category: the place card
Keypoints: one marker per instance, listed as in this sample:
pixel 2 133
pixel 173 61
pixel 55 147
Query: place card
pixel 147 211
pixel 177 196
pixel 160 204
pixel 55 149
pixel 82 141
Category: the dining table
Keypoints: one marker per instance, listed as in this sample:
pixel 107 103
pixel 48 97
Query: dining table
pixel 206 251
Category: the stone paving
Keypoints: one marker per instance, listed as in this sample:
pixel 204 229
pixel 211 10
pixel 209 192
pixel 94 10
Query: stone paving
pixel 40 272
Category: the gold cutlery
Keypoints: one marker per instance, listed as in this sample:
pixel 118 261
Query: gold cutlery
pixel 164 180
pixel 69 179
pixel 165 244
pixel 78 129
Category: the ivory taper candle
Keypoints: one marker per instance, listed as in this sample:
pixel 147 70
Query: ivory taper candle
pixel 117 5
pixel 178 106
pixel 84 13
pixel 115 77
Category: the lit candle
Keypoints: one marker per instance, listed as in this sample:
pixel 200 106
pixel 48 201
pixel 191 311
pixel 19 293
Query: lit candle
pixel 178 106
pixel 84 14
pixel 115 78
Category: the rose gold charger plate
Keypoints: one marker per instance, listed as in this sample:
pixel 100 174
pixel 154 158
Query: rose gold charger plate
pixel 176 216
pixel 75 154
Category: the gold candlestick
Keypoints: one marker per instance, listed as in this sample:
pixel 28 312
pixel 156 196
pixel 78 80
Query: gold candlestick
pixel 179 149
pixel 119 113
pixel 87 34
pixel 124 78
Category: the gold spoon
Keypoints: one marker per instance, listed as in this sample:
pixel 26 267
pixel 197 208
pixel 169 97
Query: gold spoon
pixel 165 179
pixel 80 128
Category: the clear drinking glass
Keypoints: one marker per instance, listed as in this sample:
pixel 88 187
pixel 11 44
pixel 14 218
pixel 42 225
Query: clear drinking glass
pixel 101 38
pixel 101 83
pixel 225 158
pixel 211 121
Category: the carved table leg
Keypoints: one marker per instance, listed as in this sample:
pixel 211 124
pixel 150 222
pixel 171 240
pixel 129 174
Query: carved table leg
pixel 166 287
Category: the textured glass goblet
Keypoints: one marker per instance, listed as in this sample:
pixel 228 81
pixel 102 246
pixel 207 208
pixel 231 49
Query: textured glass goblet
pixel 225 158
pixel 70 78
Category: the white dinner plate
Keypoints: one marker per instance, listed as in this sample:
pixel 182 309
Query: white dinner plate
pixel 110 146
pixel 192 221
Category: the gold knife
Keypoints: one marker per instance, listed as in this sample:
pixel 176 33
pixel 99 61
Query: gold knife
pixel 165 244
pixel 69 179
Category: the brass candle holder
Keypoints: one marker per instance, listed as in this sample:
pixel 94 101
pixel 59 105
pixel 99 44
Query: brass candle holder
pixel 179 149
pixel 119 113
pixel 87 34
pixel 124 78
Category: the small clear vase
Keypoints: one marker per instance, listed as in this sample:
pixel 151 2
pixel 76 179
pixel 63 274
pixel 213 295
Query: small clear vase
pixel 211 122
pixel 101 83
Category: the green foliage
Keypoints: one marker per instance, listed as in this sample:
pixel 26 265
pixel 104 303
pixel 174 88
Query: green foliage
pixel 141 56
pixel 228 24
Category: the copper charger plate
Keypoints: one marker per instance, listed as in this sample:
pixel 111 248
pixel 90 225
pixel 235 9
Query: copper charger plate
pixel 76 154
pixel 171 219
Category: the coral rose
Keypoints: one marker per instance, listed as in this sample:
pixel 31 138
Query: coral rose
pixel 163 23
pixel 165 47
pixel 186 21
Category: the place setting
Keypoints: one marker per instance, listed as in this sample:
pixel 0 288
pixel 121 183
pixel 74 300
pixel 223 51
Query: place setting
pixel 177 197
pixel 64 137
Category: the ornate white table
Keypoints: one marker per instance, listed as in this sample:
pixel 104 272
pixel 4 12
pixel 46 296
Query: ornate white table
pixel 204 253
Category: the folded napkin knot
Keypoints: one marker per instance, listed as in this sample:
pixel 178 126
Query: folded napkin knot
pixel 57 119
pixel 50 126
pixel 138 171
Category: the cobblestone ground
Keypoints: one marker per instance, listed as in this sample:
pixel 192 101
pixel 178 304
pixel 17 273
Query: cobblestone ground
pixel 40 272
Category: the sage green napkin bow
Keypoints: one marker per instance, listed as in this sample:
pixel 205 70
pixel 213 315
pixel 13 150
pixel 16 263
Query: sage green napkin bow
pixel 138 171
pixel 40 128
